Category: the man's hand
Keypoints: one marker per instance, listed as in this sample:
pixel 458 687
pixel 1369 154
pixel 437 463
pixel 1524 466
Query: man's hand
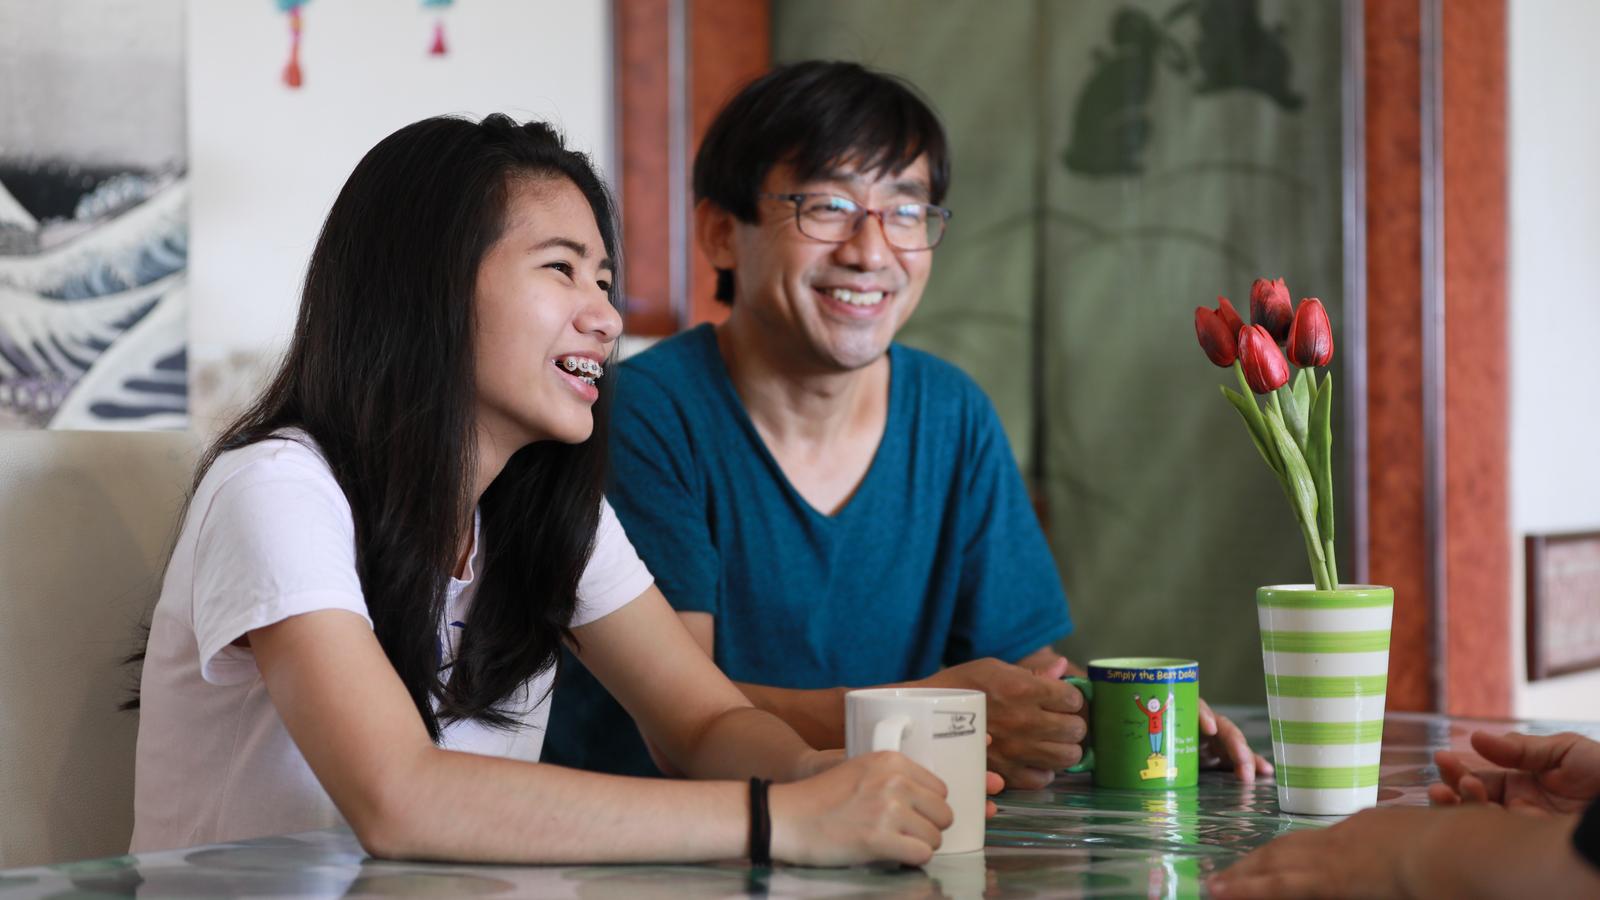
pixel 1415 851
pixel 1558 773
pixel 1222 746
pixel 1034 717
pixel 1362 856
pixel 992 784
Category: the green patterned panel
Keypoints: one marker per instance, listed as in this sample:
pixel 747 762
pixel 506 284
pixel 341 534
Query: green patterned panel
pixel 1325 641
pixel 1327 732
pixel 1328 776
pixel 1324 686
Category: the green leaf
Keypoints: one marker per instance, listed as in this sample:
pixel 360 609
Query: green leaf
pixel 1305 389
pixel 1294 414
pixel 1246 404
pixel 1302 489
pixel 1319 458
pixel 1319 454
pixel 1252 423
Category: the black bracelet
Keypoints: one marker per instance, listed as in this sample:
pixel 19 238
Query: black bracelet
pixel 1586 837
pixel 760 824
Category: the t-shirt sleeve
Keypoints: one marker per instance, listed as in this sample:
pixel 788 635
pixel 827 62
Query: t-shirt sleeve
pixel 276 540
pixel 1586 838
pixel 659 496
pixel 1010 601
pixel 615 575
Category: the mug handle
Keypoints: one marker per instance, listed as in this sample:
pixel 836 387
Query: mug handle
pixel 1087 688
pixel 888 734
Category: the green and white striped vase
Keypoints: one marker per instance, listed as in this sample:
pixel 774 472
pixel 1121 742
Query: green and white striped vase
pixel 1326 656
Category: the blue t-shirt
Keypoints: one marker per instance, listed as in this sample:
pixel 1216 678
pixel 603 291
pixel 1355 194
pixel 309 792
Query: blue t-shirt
pixel 936 559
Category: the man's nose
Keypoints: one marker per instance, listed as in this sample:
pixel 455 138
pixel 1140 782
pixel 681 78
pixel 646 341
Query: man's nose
pixel 869 247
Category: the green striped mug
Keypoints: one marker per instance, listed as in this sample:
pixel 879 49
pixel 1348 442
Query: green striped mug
pixel 1326 658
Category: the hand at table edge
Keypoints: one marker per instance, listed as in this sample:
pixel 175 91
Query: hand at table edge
pixel 1223 745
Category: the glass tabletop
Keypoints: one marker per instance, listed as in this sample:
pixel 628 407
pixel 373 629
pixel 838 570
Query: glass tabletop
pixel 1070 840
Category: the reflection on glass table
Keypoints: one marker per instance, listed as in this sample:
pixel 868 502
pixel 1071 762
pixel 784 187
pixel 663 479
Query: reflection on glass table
pixel 1071 840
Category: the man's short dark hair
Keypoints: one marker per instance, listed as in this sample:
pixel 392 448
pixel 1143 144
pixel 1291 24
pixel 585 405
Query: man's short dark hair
pixel 816 116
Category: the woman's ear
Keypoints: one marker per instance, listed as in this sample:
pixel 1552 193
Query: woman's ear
pixel 713 231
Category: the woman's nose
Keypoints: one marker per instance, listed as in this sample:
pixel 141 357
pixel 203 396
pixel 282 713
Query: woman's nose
pixel 600 318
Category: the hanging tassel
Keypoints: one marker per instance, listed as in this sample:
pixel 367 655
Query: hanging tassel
pixel 439 48
pixel 291 72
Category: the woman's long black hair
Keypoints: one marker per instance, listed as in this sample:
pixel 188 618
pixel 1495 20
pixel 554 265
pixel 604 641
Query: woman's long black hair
pixel 380 374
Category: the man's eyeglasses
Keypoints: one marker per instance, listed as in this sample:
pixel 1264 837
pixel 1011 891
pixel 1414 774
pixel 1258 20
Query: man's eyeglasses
pixel 835 219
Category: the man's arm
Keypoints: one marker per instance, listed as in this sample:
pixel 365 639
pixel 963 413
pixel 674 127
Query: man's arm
pixel 817 715
pixel 1408 851
pixel 1032 714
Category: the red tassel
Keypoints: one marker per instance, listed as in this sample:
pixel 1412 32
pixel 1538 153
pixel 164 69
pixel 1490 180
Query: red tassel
pixel 291 72
pixel 438 48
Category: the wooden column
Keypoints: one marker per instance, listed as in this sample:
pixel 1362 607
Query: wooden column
pixel 730 44
pixel 644 124
pixel 1398 550
pixel 1437 414
pixel 1477 640
pixel 678 61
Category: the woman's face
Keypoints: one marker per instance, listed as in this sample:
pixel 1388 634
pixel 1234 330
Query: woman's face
pixel 544 320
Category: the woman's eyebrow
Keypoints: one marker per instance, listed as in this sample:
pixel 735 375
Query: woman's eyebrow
pixel 578 247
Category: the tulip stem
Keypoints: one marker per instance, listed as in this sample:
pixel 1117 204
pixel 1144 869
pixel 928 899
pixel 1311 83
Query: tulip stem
pixel 1304 501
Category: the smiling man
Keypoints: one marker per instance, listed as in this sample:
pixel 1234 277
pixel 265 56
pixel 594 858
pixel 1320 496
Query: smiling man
pixel 828 509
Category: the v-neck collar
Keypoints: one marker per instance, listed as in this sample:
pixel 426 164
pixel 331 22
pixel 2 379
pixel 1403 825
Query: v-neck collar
pixel 724 378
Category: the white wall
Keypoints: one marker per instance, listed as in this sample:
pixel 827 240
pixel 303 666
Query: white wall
pixel 267 161
pixel 1554 301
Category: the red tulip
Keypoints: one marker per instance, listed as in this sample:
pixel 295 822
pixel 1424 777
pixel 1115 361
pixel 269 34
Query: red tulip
pixel 1220 344
pixel 1264 366
pixel 1310 337
pixel 1230 316
pixel 1271 308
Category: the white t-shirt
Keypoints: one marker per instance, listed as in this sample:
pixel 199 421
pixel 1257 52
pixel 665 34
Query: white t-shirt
pixel 269 535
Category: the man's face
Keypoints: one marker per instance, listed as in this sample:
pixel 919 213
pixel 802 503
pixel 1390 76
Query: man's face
pixel 837 305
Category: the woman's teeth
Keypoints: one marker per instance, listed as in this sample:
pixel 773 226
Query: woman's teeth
pixel 584 369
pixel 855 298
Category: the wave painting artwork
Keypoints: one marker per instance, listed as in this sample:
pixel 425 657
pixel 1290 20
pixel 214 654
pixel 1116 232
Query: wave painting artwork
pixel 94 226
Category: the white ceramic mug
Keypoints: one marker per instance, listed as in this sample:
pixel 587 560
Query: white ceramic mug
pixel 942 731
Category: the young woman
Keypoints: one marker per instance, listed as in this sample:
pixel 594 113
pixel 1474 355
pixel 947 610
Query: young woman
pixel 382 557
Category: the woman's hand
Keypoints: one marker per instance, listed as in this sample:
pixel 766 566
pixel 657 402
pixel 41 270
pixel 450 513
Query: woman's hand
pixel 1558 773
pixel 818 761
pixel 879 806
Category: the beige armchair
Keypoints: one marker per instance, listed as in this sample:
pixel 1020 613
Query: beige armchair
pixel 86 522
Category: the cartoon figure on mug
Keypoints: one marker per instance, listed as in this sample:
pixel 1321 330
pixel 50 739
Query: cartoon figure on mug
pixel 1156 712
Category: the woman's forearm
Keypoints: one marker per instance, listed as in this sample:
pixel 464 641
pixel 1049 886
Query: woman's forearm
pixel 464 807
pixel 746 742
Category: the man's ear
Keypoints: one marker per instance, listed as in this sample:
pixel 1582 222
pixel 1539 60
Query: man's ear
pixel 713 231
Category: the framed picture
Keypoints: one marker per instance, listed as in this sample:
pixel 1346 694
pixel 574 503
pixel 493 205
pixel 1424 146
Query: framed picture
pixel 94 217
pixel 1563 603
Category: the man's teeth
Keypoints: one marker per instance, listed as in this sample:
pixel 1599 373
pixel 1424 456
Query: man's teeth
pixel 855 298
pixel 586 370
